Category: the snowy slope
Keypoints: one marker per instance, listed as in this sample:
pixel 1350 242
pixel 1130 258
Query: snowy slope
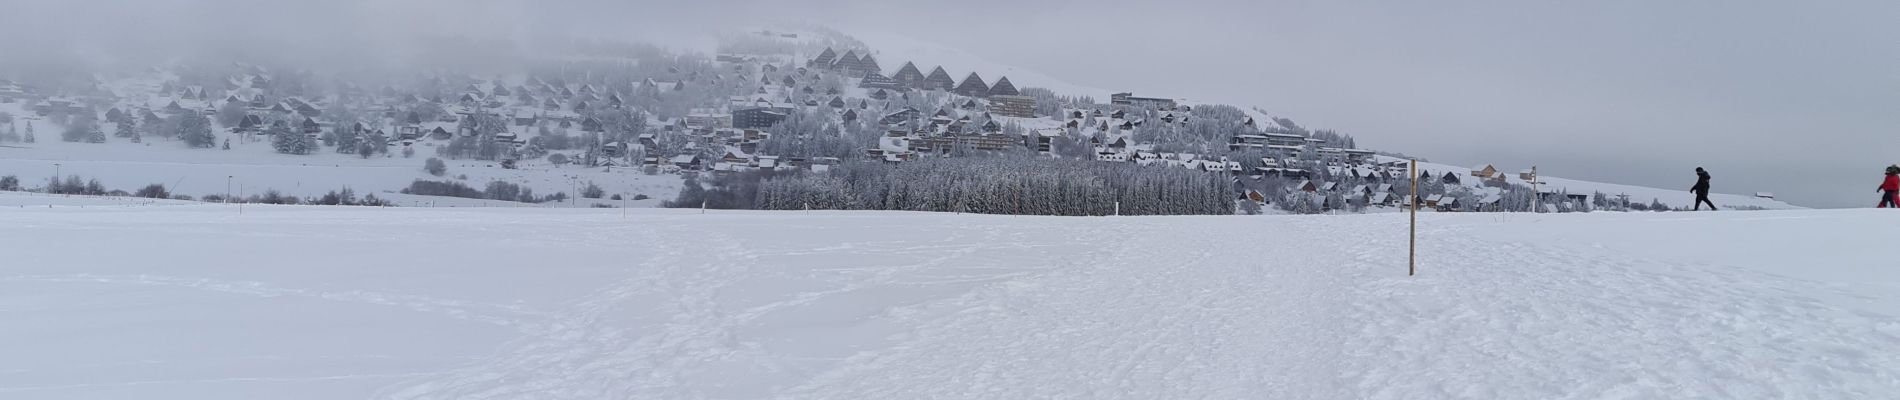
pixel 29 199
pixel 198 302
pixel 254 168
pixel 1553 181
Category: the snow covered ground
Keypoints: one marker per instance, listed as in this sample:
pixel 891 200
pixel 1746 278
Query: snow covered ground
pixel 254 168
pixel 288 302
pixel 1550 180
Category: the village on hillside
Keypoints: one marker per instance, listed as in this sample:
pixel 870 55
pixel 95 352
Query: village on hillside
pixel 777 104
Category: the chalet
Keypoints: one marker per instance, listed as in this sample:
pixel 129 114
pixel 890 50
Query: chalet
pixel 1256 196
pixel 1381 199
pixel 823 60
pixel 686 162
pixel 878 81
pixel 1247 141
pixel 1491 202
pixel 1045 139
pixel 901 116
pixel 592 125
pixel 866 66
pixel 849 115
pixel 1765 195
pixel 1358 156
pixel 405 132
pixel 439 133
pixel 1129 99
pixel 973 86
pixel 311 127
pixel 1484 171
pixel 525 117
pixel 880 94
pixel 249 124
pixel 757 117
pixel 908 75
pixel 1004 88
pixel 1446 203
pixel 937 80
pixel 1013 105
pixel 612 150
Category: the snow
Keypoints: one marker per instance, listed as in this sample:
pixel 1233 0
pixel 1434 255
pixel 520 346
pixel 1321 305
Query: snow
pixel 29 199
pixel 295 302
pixel 254 167
pixel 1552 183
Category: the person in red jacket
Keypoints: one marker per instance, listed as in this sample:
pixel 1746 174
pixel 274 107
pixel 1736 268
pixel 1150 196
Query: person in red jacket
pixel 1890 189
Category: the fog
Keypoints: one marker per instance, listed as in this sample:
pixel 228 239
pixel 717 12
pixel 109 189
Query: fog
pixel 1792 98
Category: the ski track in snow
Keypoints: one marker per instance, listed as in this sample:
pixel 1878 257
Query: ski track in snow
pixel 902 305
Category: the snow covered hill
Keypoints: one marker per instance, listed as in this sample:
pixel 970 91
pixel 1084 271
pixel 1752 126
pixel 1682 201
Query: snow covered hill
pixel 288 302
pixel 1551 181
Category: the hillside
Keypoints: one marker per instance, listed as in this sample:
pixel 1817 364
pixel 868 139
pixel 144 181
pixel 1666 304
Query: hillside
pixel 350 302
pixel 1555 182
pixel 638 121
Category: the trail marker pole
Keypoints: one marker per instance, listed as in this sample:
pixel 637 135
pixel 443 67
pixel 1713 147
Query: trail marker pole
pixel 1411 262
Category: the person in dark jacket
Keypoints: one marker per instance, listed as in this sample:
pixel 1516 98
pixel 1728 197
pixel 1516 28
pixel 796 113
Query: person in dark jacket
pixel 1890 188
pixel 1701 190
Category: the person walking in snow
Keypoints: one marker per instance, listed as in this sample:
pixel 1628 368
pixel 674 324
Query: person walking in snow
pixel 1701 189
pixel 1890 188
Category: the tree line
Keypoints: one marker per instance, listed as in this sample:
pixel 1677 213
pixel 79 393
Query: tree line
pixel 997 184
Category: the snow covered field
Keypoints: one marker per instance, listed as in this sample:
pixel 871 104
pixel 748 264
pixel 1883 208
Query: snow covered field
pixel 199 302
pixel 254 168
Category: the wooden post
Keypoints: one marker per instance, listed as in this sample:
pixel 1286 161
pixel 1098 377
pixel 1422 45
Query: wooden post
pixel 1411 263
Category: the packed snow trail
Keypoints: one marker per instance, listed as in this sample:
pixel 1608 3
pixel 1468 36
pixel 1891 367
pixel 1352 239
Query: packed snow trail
pixel 323 302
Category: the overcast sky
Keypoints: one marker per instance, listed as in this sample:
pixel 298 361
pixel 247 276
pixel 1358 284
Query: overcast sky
pixel 1796 98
